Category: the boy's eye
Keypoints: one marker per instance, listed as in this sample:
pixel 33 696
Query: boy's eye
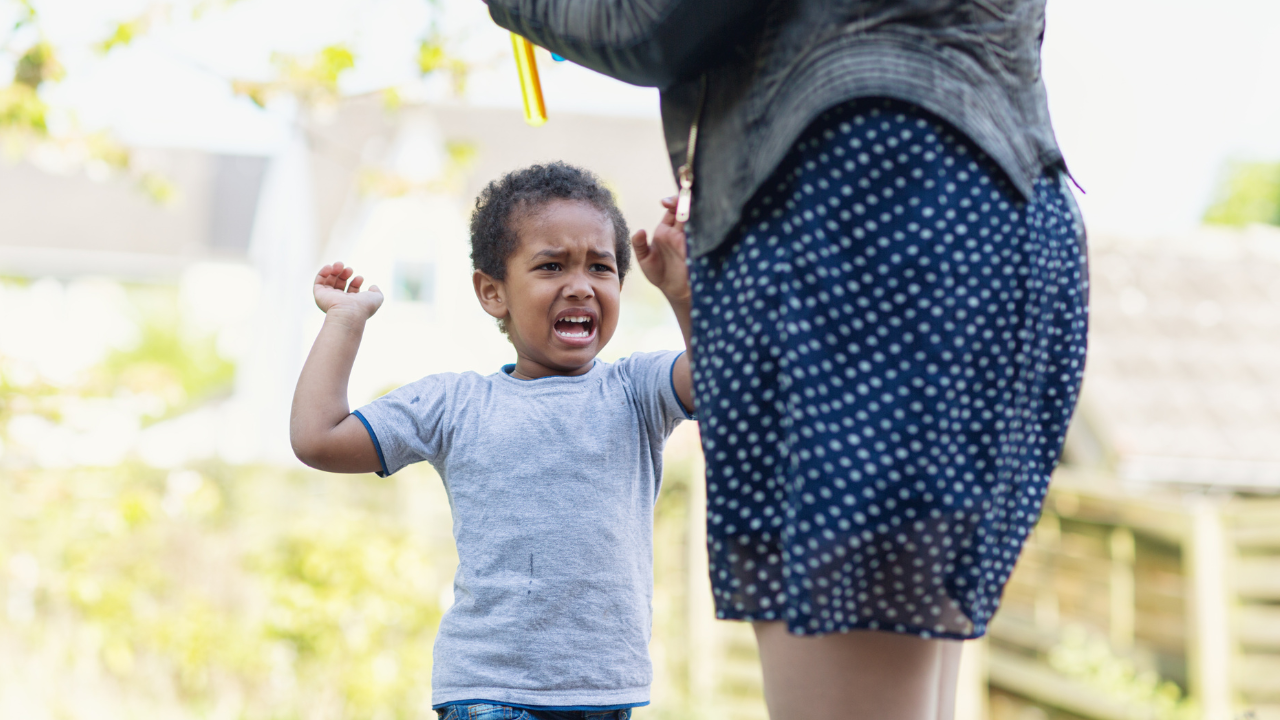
pixel 599 267
pixel 549 266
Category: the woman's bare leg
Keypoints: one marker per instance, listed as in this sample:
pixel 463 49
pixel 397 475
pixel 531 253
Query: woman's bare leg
pixel 951 650
pixel 854 676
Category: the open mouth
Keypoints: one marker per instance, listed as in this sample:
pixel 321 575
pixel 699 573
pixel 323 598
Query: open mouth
pixel 575 327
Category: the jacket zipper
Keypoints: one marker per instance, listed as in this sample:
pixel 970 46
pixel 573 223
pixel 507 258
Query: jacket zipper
pixel 684 174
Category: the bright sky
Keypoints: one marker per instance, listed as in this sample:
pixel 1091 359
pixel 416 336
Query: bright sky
pixel 1150 97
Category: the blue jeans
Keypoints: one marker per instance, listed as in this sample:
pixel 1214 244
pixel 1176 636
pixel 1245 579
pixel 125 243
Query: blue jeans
pixel 486 711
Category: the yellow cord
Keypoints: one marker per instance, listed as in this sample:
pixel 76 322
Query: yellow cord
pixel 535 111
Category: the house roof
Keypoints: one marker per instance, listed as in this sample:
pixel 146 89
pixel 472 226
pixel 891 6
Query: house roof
pixel 1182 382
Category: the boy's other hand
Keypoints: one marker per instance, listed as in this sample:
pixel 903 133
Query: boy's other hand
pixel 662 258
pixel 333 291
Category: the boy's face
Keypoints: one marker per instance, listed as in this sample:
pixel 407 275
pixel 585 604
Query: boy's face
pixel 560 296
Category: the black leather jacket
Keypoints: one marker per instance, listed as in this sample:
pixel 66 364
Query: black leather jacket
pixel 771 66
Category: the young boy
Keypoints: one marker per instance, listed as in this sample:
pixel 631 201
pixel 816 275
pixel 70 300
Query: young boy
pixel 552 465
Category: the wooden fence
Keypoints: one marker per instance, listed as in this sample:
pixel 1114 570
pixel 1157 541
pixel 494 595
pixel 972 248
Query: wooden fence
pixel 1159 605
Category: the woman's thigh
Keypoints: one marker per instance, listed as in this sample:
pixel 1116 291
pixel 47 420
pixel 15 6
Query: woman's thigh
pixel 854 675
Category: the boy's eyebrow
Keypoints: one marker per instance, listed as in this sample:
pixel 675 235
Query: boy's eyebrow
pixel 559 253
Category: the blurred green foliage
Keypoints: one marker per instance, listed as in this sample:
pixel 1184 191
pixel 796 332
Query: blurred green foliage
pixel 433 56
pixel 232 591
pixel 312 78
pixel 169 363
pixel 460 155
pixel 159 188
pixel 124 34
pixel 354 604
pixel 38 65
pixel 1248 194
pixel 1090 658
pixel 26 114
pixel 179 369
pixel 162 589
pixel 22 109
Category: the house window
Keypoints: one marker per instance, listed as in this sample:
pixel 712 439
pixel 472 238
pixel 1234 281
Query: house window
pixel 415 282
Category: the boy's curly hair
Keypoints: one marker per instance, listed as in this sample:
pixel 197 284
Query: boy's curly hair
pixel 519 192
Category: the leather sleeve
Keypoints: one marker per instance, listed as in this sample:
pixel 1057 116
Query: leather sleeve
pixel 643 42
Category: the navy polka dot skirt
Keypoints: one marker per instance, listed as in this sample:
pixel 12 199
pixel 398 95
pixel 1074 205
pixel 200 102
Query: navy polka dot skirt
pixel 887 354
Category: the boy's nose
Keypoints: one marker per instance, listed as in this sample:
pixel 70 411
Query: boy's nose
pixel 578 286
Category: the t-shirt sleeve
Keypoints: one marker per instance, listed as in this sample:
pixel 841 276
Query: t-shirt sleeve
pixel 652 379
pixel 407 425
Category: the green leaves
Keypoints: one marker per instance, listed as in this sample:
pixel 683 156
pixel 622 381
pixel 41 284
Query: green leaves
pixel 181 369
pixel 1090 659
pixel 239 588
pixel 124 34
pixel 273 614
pixel 431 56
pixel 38 65
pixel 353 601
pixel 25 114
pixel 313 78
pixel 159 188
pixel 22 110
pixel 318 72
pixel 331 62
pixel 26 15
pixel 1249 194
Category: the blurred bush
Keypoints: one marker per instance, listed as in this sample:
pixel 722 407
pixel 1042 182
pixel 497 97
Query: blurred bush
pixel 205 591
pixel 172 594
pixel 1249 193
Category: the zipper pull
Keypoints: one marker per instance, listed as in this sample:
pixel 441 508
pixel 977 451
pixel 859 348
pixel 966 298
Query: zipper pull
pixel 685 199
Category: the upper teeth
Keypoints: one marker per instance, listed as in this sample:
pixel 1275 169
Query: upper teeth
pixel 577 319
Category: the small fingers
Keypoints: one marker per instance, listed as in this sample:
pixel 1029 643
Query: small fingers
pixel 669 202
pixel 672 240
pixel 334 275
pixel 640 241
pixel 355 283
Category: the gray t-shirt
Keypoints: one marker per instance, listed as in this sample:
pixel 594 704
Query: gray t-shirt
pixel 552 484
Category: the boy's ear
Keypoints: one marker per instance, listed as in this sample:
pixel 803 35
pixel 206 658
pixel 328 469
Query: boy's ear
pixel 491 294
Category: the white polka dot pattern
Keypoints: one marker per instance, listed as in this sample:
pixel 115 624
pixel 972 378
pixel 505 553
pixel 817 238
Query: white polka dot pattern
pixel 887 356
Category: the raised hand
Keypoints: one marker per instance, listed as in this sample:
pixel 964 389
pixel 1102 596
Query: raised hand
pixel 333 291
pixel 323 432
pixel 662 258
